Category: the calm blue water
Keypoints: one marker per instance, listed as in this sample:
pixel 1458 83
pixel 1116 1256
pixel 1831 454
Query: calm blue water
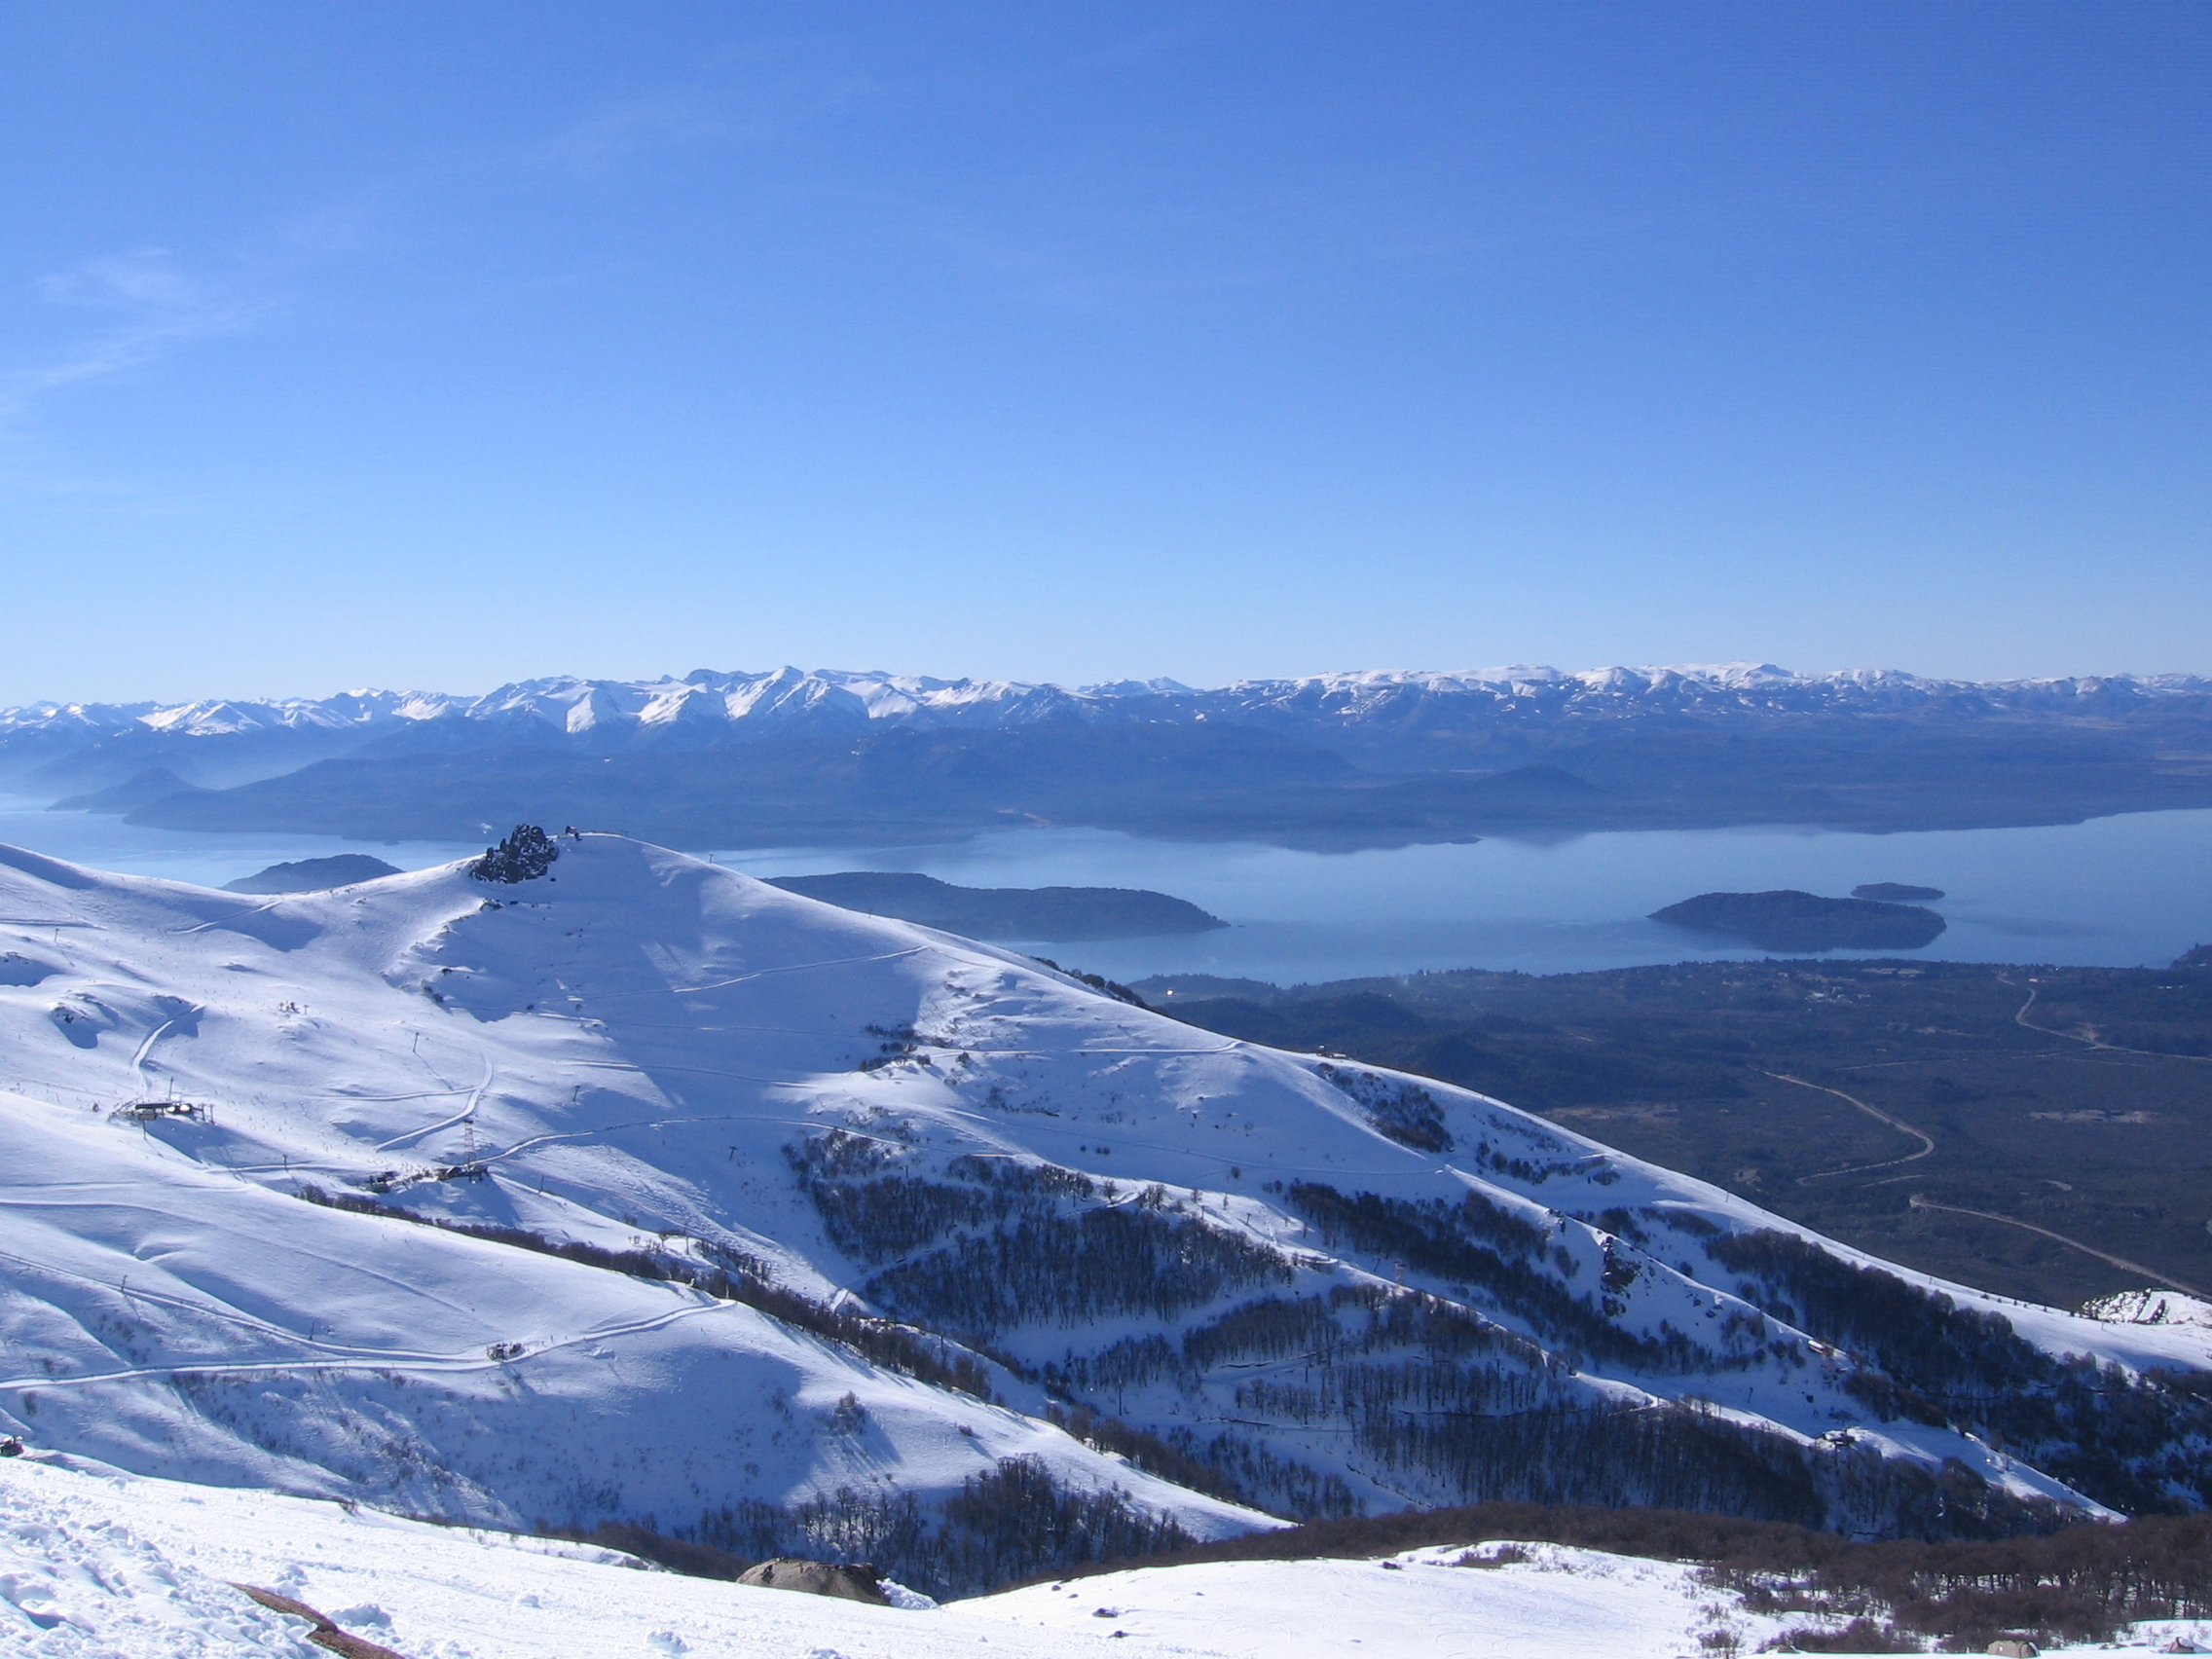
pixel 2128 890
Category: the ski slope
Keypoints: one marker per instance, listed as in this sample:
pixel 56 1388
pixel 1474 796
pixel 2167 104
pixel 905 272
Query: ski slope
pixel 640 1050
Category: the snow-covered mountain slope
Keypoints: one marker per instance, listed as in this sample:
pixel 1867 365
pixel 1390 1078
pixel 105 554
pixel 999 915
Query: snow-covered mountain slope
pixel 707 709
pixel 1312 1286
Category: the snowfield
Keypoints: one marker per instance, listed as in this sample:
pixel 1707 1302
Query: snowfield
pixel 1085 1202
pixel 98 1563
pixel 1555 1603
pixel 106 1563
pixel 143 1566
pixel 111 1564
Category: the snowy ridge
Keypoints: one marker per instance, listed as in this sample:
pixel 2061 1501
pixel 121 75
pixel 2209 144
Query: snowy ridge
pixel 348 709
pixel 1333 1287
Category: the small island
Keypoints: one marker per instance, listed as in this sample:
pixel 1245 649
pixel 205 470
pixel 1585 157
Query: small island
pixel 1897 892
pixel 313 875
pixel 1787 920
pixel 1060 914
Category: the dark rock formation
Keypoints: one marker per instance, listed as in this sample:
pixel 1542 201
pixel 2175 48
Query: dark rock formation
pixel 847 1581
pixel 527 854
pixel 1897 891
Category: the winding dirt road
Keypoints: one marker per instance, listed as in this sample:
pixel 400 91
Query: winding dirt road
pixel 1926 1141
pixel 2021 1020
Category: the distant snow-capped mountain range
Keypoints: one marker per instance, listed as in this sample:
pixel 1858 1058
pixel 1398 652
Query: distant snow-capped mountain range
pixel 739 704
pixel 1372 759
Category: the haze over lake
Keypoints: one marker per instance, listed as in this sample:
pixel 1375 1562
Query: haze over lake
pixel 2128 890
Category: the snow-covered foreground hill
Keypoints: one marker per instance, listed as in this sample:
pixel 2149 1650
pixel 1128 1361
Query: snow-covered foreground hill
pixel 1309 1286
pixel 123 1567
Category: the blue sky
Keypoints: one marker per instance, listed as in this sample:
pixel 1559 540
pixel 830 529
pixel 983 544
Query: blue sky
pixel 436 345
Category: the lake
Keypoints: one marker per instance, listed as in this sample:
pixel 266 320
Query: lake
pixel 2131 890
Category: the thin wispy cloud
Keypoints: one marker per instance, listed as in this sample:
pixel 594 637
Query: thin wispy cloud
pixel 155 306
pixel 595 146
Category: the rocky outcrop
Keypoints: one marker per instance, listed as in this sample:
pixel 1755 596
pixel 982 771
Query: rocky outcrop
pixel 848 1581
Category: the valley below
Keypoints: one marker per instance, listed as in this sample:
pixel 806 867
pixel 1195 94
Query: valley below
pixel 2013 1128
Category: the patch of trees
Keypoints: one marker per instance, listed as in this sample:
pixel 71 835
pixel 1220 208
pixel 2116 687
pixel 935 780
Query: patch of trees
pixel 1096 981
pixel 1031 1242
pixel 1686 1457
pixel 1404 1111
pixel 1476 1243
pixel 1427 1387
pixel 874 1213
pixel 730 1276
pixel 1011 1522
pixel 1361 1353
pixel 2142 1445
pixel 2081 1585
pixel 1147 1451
pixel 1072 1270
pixel 1283 1486
pixel 1320 1332
pixel 888 1528
pixel 879 1220
pixel 1014 1520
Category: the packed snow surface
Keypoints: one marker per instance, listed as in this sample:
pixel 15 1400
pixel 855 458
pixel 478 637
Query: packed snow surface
pixel 148 1563
pixel 1553 1602
pixel 95 1564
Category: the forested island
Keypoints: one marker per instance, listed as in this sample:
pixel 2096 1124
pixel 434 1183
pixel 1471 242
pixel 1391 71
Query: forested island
pixel 1789 920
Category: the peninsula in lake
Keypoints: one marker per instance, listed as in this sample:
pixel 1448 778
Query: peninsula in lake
pixel 313 875
pixel 1058 913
